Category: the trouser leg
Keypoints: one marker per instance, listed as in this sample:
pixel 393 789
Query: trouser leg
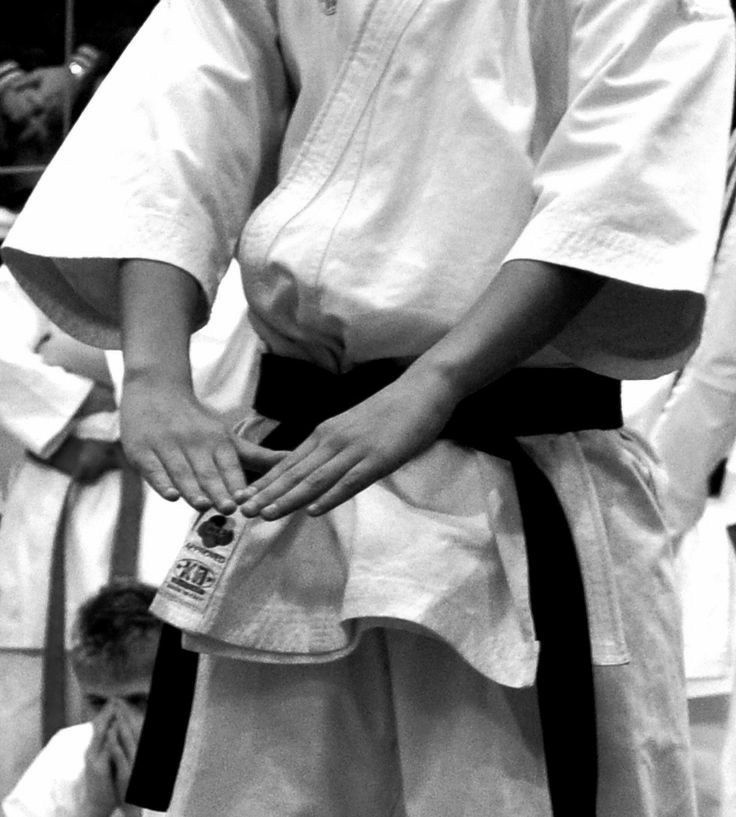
pixel 274 740
pixel 468 747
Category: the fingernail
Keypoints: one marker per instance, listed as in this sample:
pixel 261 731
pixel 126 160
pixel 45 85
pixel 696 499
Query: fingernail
pixel 250 510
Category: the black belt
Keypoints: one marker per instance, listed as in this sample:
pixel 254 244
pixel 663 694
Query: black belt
pixel 524 402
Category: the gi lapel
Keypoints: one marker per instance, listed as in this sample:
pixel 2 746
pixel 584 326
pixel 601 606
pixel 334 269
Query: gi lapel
pixel 384 23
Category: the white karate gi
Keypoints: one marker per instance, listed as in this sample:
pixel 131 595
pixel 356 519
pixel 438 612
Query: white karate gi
pixel 428 141
pixel 37 405
pixel 54 785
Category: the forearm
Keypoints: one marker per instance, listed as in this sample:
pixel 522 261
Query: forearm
pixel 158 303
pixel 524 308
pixel 180 447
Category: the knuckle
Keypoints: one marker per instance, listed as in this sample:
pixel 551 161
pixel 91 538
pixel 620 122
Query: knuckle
pixel 352 479
pixel 331 434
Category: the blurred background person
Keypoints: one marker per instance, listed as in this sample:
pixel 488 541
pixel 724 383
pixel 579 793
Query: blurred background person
pixel 76 515
pixel 690 420
pixel 49 67
pixel 83 771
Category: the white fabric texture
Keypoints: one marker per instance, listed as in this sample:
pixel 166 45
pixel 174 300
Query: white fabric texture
pixel 600 167
pixel 53 785
pixel 402 727
pixel 696 429
pixel 37 401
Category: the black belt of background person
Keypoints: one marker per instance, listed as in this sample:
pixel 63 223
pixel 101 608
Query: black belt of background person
pixel 523 402
pixel 85 461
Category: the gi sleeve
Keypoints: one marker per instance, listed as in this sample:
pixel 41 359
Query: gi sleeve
pixel 38 402
pixel 164 164
pixel 630 149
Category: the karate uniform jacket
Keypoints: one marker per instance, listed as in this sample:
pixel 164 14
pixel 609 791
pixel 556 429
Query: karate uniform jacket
pixel 371 164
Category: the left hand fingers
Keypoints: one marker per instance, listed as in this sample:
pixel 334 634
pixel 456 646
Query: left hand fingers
pixel 304 481
pixel 128 738
pixel 121 763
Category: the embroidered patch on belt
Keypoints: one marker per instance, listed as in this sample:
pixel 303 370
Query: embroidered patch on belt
pixel 328 6
pixel 201 561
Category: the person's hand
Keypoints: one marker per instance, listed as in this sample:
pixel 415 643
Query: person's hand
pixel 109 761
pixel 348 452
pixel 182 449
pixel 55 87
pixel 21 107
pixel 20 100
pixel 122 742
pixel 101 792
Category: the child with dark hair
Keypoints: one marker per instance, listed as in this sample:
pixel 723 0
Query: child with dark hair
pixel 84 770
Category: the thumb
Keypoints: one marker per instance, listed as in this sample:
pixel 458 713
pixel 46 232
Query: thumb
pixel 255 457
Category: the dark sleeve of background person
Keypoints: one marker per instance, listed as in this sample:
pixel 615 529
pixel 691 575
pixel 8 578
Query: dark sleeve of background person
pixel 33 34
pixel 109 27
pixel 40 76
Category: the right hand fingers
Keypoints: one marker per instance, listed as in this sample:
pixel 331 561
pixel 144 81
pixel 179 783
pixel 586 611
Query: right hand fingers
pixel 220 474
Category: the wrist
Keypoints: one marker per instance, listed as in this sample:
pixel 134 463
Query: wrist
pixel 158 374
pixel 430 375
pixel 158 304
pixel 83 63
pixel 10 74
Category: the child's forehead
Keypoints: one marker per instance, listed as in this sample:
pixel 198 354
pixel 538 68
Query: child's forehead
pixel 134 667
pixel 109 685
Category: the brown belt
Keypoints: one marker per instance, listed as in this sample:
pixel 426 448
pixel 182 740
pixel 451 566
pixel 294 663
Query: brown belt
pixel 85 461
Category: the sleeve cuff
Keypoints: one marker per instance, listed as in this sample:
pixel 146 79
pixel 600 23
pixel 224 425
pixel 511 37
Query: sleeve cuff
pixel 84 61
pixel 10 73
pixel 646 320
